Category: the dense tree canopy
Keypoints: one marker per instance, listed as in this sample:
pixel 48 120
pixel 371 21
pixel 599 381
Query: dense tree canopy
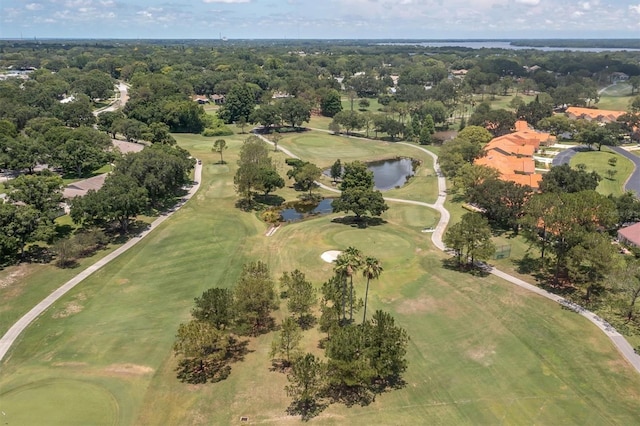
pixel 565 179
pixel 239 103
pixel 470 239
pixel 358 194
pixel 255 170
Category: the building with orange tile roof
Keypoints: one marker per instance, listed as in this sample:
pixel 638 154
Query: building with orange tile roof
pixel 630 235
pixel 512 155
pixel 590 114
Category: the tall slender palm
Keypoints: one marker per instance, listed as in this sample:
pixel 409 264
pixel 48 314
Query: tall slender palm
pixel 347 263
pixel 371 271
pixel 342 270
pixel 354 262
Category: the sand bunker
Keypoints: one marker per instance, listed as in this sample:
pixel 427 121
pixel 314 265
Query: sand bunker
pixel 330 256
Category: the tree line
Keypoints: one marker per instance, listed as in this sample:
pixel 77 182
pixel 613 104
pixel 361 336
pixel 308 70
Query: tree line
pixel 409 84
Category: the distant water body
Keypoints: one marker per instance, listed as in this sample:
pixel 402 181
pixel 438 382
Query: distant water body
pixel 503 45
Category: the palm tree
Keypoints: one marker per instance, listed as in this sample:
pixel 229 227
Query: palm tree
pixel 354 262
pixel 371 271
pixel 346 265
pixel 341 269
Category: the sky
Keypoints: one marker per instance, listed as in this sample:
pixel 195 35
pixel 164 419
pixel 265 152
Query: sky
pixel 324 19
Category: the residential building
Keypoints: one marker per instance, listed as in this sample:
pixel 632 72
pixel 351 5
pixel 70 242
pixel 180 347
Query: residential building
pixel 590 114
pixel 512 154
pixel 630 235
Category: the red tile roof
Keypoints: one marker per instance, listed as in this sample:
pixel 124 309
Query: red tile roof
pixel 512 155
pixel 601 115
pixel 631 234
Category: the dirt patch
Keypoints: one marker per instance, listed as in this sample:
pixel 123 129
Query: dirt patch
pixel 427 304
pixel 417 306
pixel 122 281
pixel 69 364
pixel 128 369
pixel 69 309
pixel 512 299
pixel 482 354
pixel 13 276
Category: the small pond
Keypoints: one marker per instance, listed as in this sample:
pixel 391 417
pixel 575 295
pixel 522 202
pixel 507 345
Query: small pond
pixel 388 174
pixel 299 210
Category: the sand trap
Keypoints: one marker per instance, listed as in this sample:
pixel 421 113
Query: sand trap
pixel 330 256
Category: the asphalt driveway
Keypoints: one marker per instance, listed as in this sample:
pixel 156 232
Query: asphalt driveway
pixel 633 183
pixel 565 156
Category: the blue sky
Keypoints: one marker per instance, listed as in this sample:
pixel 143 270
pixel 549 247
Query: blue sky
pixel 292 19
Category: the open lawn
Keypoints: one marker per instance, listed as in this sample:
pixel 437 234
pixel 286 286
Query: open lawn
pixel 614 103
pixel 481 350
pixel 23 286
pixel 616 97
pixel 502 101
pixel 617 89
pixel 597 161
pixel 374 105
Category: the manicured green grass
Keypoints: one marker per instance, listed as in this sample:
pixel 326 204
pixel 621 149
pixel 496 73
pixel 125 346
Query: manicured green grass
pixel 71 178
pixel 374 105
pixel 615 103
pixel 502 101
pixel 616 97
pixel 319 122
pixel 597 161
pixel 618 89
pixel 481 351
pixel 24 286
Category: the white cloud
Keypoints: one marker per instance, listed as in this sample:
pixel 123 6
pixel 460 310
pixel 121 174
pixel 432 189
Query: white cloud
pixel 227 1
pixel 635 8
pixel 77 3
pixel 588 5
pixel 34 6
pixel 529 2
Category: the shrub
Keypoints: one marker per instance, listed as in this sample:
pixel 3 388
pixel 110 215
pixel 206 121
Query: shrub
pixel 66 251
pixel 90 241
pixel 218 131
pixel 294 162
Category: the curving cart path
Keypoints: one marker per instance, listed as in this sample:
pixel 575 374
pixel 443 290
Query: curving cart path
pixel 633 182
pixel 14 332
pixel 616 338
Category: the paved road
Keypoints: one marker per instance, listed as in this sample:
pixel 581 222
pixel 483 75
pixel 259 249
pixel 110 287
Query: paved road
pixel 633 183
pixel 564 157
pixel 616 338
pixel 14 332
pixel 123 88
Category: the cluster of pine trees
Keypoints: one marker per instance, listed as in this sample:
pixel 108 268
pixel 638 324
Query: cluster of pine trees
pixel 361 358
